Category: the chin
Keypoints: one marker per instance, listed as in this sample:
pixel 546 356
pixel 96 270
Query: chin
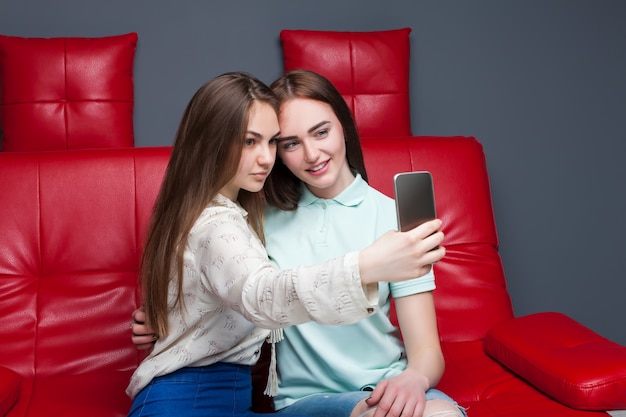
pixel 255 189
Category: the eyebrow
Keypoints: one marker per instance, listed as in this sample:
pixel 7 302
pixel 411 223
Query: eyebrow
pixel 260 136
pixel 311 130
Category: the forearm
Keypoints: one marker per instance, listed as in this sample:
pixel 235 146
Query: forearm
pixel 328 293
pixel 418 324
pixel 429 364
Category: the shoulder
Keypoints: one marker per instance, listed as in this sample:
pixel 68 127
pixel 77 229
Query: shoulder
pixel 275 218
pixel 381 209
pixel 218 218
pixel 218 214
pixel 379 196
pixel 383 201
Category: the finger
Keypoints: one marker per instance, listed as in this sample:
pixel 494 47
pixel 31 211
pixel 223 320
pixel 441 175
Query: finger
pixel 139 329
pixel 388 408
pixel 144 341
pixel 145 346
pixel 383 400
pixel 139 316
pixel 429 227
pixel 433 256
pixel 411 408
pixel 433 241
pixel 377 393
pixel 418 411
pixel 424 230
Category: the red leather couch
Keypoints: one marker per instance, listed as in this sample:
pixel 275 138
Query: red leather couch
pixel 72 225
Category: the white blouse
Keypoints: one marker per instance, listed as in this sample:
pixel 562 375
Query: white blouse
pixel 233 294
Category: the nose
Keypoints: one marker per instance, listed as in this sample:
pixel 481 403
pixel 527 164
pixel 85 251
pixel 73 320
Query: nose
pixel 267 155
pixel 311 153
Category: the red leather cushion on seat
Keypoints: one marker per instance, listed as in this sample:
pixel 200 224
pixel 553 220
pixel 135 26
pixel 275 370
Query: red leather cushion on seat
pixel 370 70
pixel 10 383
pixel 93 394
pixel 66 93
pixel 573 365
pixel 482 385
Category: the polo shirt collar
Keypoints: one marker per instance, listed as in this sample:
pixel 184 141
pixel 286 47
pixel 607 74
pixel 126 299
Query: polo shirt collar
pixel 353 195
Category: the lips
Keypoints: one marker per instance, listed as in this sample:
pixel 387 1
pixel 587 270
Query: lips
pixel 317 168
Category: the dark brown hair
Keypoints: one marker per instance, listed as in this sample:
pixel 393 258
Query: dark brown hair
pixel 282 188
pixel 205 157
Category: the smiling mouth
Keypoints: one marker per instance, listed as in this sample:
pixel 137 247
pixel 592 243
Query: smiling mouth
pixel 318 167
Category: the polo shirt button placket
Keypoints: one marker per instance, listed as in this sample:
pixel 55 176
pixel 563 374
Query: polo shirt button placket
pixel 323 228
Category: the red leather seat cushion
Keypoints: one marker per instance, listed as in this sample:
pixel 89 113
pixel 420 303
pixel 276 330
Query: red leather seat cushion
pixel 370 70
pixel 574 365
pixel 487 389
pixel 10 383
pixel 66 93
pixel 93 394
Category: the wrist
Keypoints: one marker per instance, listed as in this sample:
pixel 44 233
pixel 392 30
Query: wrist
pixel 420 379
pixel 367 265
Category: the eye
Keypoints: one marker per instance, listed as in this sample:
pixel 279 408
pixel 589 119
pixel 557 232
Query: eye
pixel 289 144
pixel 273 141
pixel 249 142
pixel 322 133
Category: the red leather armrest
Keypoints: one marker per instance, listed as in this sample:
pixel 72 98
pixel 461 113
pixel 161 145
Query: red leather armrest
pixel 562 358
pixel 10 384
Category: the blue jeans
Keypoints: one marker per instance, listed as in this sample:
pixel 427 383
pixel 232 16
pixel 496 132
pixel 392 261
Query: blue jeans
pixel 342 404
pixel 218 390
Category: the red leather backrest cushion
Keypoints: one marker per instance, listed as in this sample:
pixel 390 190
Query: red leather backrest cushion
pixel 370 70
pixel 471 294
pixel 66 93
pixel 72 227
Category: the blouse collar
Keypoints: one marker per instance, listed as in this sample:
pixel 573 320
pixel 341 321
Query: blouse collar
pixel 222 200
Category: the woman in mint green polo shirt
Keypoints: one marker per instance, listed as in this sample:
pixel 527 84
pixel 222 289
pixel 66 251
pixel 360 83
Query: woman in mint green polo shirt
pixel 320 207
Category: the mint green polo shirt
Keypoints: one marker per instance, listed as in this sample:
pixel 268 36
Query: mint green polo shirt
pixel 316 358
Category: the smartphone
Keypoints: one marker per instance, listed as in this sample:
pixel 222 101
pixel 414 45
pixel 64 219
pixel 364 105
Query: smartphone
pixel 415 198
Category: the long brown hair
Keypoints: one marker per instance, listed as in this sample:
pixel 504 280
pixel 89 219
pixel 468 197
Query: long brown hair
pixel 282 188
pixel 205 157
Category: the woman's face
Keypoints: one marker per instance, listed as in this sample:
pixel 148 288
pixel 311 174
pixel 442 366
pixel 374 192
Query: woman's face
pixel 258 154
pixel 312 146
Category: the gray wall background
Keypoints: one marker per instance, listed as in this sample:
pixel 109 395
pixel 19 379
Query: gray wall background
pixel 541 83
